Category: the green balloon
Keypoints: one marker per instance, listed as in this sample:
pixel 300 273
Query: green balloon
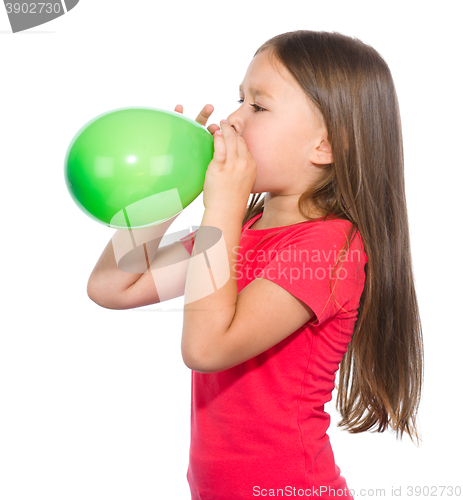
pixel 136 167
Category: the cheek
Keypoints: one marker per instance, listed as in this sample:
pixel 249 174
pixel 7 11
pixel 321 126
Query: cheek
pixel 262 146
pixel 266 150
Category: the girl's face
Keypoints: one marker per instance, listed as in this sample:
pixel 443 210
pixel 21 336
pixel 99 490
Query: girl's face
pixel 287 136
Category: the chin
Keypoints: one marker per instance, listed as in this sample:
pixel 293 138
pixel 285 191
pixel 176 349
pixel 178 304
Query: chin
pixel 257 188
pixel 260 186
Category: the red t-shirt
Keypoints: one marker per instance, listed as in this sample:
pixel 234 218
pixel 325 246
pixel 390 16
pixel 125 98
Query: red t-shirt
pixel 261 425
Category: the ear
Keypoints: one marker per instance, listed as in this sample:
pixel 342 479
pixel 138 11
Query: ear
pixel 322 155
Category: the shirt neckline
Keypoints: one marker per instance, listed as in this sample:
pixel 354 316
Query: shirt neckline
pixel 262 231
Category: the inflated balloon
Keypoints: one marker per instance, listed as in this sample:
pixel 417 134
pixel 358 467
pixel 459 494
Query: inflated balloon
pixel 135 167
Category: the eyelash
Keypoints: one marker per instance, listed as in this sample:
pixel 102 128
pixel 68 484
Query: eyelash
pixel 255 106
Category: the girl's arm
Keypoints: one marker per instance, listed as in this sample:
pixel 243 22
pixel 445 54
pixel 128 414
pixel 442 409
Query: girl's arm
pixel 222 329
pixel 124 262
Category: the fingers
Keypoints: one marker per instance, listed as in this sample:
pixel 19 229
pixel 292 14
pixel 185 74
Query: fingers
pixel 230 138
pixel 228 145
pixel 220 151
pixel 242 147
pixel 213 128
pixel 204 114
pixel 235 145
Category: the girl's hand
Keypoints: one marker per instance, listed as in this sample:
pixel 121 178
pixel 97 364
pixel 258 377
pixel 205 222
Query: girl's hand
pixel 203 116
pixel 232 172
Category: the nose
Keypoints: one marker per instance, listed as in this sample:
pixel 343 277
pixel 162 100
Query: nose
pixel 236 121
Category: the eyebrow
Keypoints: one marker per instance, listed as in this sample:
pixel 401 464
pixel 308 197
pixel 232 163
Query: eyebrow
pixel 258 92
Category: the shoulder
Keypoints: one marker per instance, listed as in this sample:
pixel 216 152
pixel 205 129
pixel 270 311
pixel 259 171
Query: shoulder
pixel 320 230
pixel 324 235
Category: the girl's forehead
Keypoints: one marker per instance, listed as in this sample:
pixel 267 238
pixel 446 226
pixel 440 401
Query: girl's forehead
pixel 266 62
pixel 267 75
pixel 265 72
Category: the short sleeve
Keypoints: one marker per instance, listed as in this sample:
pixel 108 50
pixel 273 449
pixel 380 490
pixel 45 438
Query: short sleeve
pixel 304 265
pixel 188 241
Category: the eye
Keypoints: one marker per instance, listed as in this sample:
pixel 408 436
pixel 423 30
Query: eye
pixel 255 106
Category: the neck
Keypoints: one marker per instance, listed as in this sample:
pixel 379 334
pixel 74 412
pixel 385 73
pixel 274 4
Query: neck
pixel 282 210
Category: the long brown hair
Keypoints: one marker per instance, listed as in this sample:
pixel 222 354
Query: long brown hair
pixel 380 376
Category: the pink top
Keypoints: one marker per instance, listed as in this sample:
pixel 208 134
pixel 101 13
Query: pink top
pixel 261 425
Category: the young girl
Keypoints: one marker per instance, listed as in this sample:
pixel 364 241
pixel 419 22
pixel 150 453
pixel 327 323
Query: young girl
pixel 314 277
pixel 322 276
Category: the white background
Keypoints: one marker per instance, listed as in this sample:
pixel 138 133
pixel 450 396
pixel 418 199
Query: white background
pixel 95 403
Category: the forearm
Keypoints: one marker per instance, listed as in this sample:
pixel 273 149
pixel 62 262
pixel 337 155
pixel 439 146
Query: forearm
pixel 210 298
pixel 126 258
